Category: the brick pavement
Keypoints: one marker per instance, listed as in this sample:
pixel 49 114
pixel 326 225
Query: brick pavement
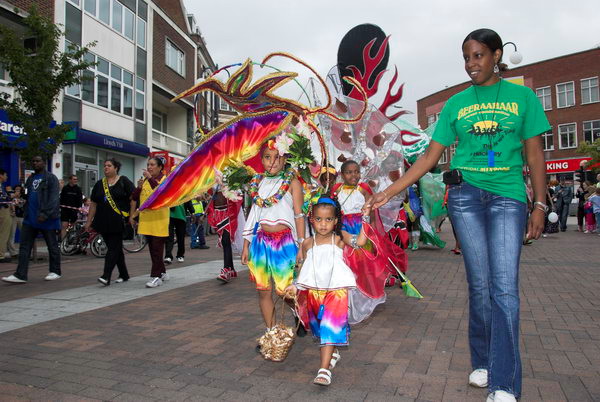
pixel 197 342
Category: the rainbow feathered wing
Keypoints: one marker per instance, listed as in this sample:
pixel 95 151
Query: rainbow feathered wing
pixel 238 140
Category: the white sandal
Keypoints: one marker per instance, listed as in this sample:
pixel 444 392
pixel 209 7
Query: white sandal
pixel 335 357
pixel 323 377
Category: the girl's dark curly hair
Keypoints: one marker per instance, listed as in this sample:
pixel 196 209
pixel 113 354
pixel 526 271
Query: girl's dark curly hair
pixel 337 212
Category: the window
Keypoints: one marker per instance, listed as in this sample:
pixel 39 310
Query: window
pixel 90 6
pixel 565 94
pixel 87 87
pixel 223 105
pixel 159 121
pixel 117 17
pixel 591 130
pixel 129 23
pixel 104 11
pixel 567 135
pixel 141 32
pixel 548 138
pixel 76 2
pixel 444 158
pixel 140 98
pixel 175 58
pixel 545 97
pixel 430 119
pixel 102 91
pixel 589 90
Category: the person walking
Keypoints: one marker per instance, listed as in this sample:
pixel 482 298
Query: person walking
pixel 494 121
pixel 564 196
pixel 108 215
pixel 71 198
pixel 177 224
pixel 17 222
pixel 5 217
pixel 154 224
pixel 41 215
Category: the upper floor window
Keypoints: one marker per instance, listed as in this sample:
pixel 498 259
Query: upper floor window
pixel 223 105
pixel 545 97
pixel 548 138
pixel 565 94
pixel 591 130
pixel 159 121
pixel 175 58
pixel 567 136
pixel 589 90
pixel 141 33
pixel 90 6
pixel 76 2
pixel 3 74
pixel 113 14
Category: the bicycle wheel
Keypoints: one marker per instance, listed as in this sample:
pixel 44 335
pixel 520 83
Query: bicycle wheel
pixel 70 244
pixel 98 246
pixel 136 244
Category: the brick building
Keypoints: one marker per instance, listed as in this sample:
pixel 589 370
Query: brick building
pixel 567 87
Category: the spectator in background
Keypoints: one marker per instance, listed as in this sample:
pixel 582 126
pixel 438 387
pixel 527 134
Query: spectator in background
pixel 564 196
pixel 177 222
pixel 42 214
pixel 17 222
pixel 581 198
pixel 198 239
pixel 70 196
pixel 5 216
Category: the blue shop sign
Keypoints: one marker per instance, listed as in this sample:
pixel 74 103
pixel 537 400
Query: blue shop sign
pixel 13 134
pixel 83 136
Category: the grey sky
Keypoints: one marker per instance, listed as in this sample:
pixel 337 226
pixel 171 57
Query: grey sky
pixel 425 35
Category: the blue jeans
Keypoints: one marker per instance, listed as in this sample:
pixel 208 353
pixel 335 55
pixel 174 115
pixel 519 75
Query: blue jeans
pixel 28 235
pixel 197 233
pixel 490 230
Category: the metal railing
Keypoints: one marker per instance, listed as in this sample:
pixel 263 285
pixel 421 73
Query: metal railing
pixel 169 143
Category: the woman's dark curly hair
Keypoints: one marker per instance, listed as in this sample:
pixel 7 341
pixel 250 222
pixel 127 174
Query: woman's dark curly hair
pixel 337 212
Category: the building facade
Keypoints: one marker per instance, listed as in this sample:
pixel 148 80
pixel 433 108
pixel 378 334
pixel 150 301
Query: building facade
pixel 567 87
pixel 144 55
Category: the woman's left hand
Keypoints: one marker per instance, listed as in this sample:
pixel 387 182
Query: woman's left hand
pixel 536 224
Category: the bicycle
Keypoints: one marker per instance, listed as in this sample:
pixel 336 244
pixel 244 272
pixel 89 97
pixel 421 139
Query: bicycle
pixel 77 239
pixel 136 244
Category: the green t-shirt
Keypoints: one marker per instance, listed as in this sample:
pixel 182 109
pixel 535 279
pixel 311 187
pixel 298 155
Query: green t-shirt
pixel 497 117
pixel 178 212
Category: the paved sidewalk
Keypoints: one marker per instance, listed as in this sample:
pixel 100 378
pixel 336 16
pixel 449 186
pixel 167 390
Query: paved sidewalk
pixel 197 342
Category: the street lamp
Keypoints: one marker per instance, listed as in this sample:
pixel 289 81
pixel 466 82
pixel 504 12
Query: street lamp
pixel 516 57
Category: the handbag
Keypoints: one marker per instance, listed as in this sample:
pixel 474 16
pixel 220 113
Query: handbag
pixel 127 228
pixel 277 341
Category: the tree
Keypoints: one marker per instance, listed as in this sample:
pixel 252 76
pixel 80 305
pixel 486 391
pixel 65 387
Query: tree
pixel 38 72
pixel 593 150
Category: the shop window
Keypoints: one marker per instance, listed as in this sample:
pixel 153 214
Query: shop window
pixel 117 16
pixel 175 58
pixel 589 90
pixel 141 33
pixel 545 97
pixel 591 130
pixel 567 136
pixel 90 6
pixel 565 94
pixel 548 137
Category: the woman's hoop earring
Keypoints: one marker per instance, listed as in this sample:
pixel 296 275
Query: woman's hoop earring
pixel 496 69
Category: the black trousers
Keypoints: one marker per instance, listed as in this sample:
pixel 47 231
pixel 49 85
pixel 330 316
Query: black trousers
pixel 114 256
pixel 227 251
pixel 28 235
pixel 176 228
pixel 156 246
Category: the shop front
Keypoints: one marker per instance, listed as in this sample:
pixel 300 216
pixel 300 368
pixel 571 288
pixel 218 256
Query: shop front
pixel 85 151
pixel 564 168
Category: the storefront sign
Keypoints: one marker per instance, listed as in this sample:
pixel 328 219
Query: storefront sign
pixel 79 135
pixel 7 126
pixel 564 165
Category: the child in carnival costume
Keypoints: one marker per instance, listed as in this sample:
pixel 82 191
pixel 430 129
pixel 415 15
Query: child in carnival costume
pixel 274 226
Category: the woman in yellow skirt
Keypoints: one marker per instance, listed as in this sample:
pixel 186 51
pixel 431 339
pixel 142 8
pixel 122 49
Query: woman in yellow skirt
pixel 153 224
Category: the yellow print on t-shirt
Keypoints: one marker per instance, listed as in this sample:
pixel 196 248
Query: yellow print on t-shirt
pixel 490 107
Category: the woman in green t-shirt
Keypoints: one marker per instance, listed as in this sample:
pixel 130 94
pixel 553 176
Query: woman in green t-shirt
pixel 492 121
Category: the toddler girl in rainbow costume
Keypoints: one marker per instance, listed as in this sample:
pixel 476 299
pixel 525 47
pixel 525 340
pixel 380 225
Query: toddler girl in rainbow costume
pixel 273 229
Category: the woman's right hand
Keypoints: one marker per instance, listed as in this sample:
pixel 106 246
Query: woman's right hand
pixel 375 201
pixel 132 221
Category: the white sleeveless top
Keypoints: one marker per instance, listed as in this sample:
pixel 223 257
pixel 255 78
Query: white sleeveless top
pixel 280 213
pixel 324 268
pixel 351 201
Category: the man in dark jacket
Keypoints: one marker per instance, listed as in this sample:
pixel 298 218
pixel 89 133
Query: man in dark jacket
pixel 41 214
pixel 70 196
pixel 564 196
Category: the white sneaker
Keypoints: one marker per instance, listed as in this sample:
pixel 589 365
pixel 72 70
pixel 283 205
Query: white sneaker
pixel 52 277
pixel 119 280
pixel 13 279
pixel 154 282
pixel 165 276
pixel 479 378
pixel 168 260
pixel 501 396
pixel 180 259
pixel 544 235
